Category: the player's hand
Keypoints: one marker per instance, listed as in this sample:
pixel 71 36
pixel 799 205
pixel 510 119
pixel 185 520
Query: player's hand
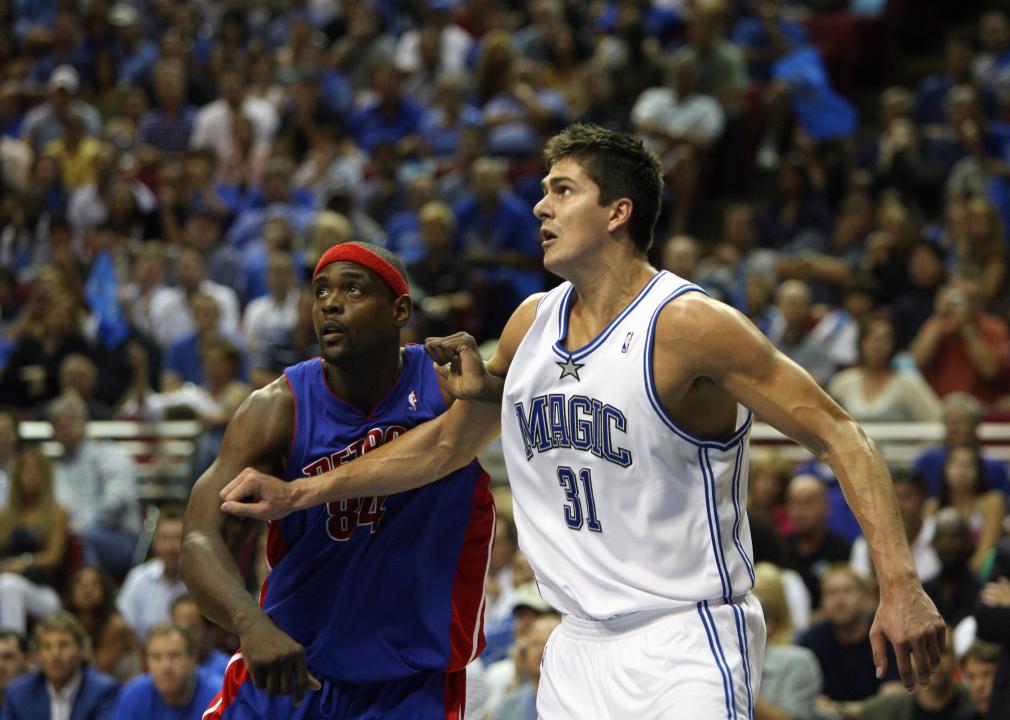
pixel 908 618
pixel 461 371
pixel 276 662
pixel 254 494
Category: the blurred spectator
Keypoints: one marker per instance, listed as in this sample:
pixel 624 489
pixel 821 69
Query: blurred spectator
pixel 449 42
pixel 173 688
pixel 147 289
pixel 96 482
pixel 795 217
pixel 770 473
pixel 150 588
pixel 980 246
pixel 791 335
pixel 722 71
pixel 961 417
pixel 79 376
pixel 213 124
pixel 680 255
pixel 497 232
pixel 136 53
pixel 978 670
pixel 441 274
pixel 520 704
pixel 9 444
pixel 209 658
pixel 404 227
pixel 961 348
pixel 31 374
pixel 791 678
pixel 276 199
pixel 13 660
pixel 841 642
pixel 764 35
pixel 279 348
pixel 931 95
pixel 245 159
pixel 954 590
pixel 169 126
pixel 91 598
pixel 813 547
pixel 992 611
pixel 44 123
pixel 170 312
pixel 64 685
pixel 874 391
pixel 920 530
pixel 182 360
pixel 450 112
pixel 912 308
pixel 278 309
pixel 942 697
pixel 33 543
pixel 990 66
pixel 679 124
pixel 964 489
pixel 389 116
pixel 75 152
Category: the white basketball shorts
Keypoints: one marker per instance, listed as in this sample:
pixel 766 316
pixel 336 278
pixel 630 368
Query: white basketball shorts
pixel 701 663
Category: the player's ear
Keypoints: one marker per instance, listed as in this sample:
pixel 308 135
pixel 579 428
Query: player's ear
pixel 403 306
pixel 620 214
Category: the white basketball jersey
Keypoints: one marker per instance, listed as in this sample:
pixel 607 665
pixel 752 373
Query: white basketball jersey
pixel 619 509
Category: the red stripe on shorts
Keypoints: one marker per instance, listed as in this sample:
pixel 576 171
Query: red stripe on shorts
pixel 235 674
pixel 455 695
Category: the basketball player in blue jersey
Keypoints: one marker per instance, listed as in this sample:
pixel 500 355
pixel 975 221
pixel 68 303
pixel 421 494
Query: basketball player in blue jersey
pixel 373 606
pixel 626 399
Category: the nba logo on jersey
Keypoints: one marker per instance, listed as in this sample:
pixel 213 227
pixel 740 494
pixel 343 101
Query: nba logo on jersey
pixel 627 342
pixel 412 400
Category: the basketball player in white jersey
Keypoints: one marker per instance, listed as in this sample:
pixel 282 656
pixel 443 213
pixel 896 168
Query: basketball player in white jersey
pixel 626 400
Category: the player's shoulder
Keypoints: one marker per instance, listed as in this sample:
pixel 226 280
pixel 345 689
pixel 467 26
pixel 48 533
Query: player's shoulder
pixel 690 312
pixel 269 405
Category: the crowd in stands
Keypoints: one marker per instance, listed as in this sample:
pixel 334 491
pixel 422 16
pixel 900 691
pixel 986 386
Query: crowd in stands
pixel 170 172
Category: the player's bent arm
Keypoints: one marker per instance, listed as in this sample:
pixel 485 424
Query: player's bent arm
pixel 717 342
pixel 256 437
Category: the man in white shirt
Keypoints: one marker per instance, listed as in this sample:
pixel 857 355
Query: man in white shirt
pixel 170 314
pixel 63 686
pixel 276 311
pixel 150 588
pixel 213 125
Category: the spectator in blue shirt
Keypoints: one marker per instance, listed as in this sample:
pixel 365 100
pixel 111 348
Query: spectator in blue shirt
pixel 390 117
pixel 169 126
pixel 209 658
pixel 137 54
pixel 442 124
pixel 173 688
pixel 962 414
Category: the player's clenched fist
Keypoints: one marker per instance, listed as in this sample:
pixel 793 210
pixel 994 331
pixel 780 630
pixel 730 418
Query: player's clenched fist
pixel 276 662
pixel 461 371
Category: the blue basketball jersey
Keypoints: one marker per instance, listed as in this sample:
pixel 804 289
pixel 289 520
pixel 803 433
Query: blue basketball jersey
pixel 379 588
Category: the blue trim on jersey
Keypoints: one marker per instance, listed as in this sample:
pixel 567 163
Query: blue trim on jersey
pixel 650 386
pixel 738 516
pixel 741 636
pixel 720 551
pixel 585 350
pixel 713 531
pixel 720 660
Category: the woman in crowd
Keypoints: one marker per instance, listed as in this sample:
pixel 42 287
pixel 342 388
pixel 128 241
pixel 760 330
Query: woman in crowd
pixel 873 391
pixel 33 542
pixel 964 489
pixel 91 597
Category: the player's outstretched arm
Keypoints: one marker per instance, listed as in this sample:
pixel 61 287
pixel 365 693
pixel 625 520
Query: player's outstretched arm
pixel 426 453
pixel 257 436
pixel 718 343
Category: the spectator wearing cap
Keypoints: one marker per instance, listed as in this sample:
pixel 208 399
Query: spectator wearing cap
pixel 962 415
pixel 169 126
pixel 65 686
pixel 44 123
pixel 136 54
pixel 528 655
pixel 173 688
pixel 920 530
pixel 494 680
pixel 96 482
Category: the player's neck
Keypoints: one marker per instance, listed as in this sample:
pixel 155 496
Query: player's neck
pixel 605 289
pixel 365 385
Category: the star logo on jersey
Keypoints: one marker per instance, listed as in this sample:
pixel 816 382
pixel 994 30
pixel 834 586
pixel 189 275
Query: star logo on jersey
pixel 570 368
pixel 412 400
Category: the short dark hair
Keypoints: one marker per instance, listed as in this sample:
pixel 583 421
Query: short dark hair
pixel 21 640
pixel 982 651
pixel 912 477
pixel 167 627
pixel 621 166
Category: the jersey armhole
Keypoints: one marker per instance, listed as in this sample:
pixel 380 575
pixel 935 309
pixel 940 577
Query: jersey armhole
pixel 653 393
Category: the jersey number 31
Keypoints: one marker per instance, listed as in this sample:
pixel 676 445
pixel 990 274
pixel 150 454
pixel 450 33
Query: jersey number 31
pixel 568 479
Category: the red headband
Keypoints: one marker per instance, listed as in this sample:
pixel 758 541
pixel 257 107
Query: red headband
pixel 349 252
